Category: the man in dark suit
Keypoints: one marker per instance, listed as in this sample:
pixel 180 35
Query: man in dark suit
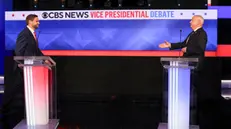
pixel 13 99
pixel 27 43
pixel 194 46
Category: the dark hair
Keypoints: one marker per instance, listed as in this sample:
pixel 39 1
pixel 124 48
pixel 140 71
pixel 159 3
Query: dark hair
pixel 30 17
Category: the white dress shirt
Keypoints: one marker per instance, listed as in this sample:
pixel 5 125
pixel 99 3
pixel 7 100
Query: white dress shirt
pixel 32 31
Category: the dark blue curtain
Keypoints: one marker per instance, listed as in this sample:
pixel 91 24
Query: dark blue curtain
pixel 8 6
pixel 2 36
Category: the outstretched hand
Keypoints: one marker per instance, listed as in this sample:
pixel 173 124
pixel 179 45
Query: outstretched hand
pixel 184 49
pixel 47 62
pixel 166 44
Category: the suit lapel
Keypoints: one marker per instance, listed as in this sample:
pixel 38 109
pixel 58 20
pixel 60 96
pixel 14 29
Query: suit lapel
pixel 32 36
pixel 189 36
pixel 192 34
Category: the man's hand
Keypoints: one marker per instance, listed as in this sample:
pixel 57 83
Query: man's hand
pixel 47 62
pixel 166 44
pixel 184 49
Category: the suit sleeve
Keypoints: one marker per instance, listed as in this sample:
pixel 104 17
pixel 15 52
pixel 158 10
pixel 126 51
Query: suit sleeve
pixel 178 45
pixel 21 45
pixel 200 45
pixel 40 52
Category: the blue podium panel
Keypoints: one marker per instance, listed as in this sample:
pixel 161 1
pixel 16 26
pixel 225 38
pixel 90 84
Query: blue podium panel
pixel 178 97
pixel 179 90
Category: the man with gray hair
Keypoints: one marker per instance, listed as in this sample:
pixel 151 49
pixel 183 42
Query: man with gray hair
pixel 194 46
pixel 195 43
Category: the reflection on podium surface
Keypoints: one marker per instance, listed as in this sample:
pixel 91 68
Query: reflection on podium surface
pixel 226 89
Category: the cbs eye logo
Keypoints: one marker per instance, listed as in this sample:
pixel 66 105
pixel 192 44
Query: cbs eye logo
pixel 45 15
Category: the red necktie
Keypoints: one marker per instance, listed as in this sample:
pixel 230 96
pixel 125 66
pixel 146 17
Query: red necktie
pixel 35 38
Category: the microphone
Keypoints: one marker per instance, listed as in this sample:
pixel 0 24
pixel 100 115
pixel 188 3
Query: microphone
pixel 180 40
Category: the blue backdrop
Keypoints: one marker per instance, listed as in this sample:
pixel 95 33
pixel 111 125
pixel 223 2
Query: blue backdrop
pixel 4 5
pixel 109 34
pixel 223 11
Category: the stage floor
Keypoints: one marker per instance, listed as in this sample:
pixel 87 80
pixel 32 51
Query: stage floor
pixel 164 126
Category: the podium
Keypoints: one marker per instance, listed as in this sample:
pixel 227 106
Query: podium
pixel 40 92
pixel 179 71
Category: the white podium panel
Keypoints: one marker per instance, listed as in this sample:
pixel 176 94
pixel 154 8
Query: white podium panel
pixel 179 91
pixel 40 100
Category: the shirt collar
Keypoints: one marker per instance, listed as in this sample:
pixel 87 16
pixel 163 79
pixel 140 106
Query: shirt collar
pixel 196 29
pixel 31 30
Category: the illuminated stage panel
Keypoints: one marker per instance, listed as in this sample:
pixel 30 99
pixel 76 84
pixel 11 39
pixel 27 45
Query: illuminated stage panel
pixel 223 11
pixel 117 53
pixel 222 51
pixel 122 32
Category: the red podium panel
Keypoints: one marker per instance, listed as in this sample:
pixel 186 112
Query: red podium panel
pixel 39 94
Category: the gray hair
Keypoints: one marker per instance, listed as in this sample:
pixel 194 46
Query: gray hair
pixel 200 18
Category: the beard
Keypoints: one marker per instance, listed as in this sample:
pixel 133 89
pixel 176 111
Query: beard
pixel 35 26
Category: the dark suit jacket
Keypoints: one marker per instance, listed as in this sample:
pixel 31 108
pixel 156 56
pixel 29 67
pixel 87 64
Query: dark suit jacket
pixel 13 100
pixel 26 45
pixel 196 44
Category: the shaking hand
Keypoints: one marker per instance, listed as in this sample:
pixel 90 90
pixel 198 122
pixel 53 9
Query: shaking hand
pixel 166 44
pixel 47 62
pixel 184 49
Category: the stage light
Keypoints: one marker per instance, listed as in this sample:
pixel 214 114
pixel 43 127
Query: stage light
pixel 149 3
pixel 120 3
pixel 79 4
pixel 63 3
pixel 91 3
pixel 107 3
pixel 70 3
pixel 35 3
pixel 140 3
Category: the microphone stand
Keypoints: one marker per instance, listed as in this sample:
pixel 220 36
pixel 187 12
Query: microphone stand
pixel 180 40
